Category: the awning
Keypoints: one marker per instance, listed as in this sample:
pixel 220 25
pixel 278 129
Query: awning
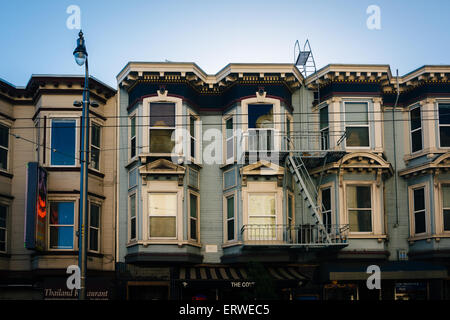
pixel 408 270
pixel 206 274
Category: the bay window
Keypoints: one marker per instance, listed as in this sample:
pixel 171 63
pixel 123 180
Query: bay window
pixel 63 142
pixel 61 225
pixel 162 127
pixel 419 210
pixel 446 206
pixel 261 216
pixel 163 215
pixel 416 129
pixel 229 140
pixel 132 217
pixel 230 222
pixel 132 137
pixel 359 208
pixel 4 147
pixel 324 129
pixel 261 133
pixel 357 124
pixel 444 124
pixel 325 197
pixel 193 216
pixel 193 136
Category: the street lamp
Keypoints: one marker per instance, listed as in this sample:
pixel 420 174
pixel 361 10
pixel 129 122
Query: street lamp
pixel 81 55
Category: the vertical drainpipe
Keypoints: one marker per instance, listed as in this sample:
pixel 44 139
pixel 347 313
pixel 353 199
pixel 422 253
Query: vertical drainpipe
pixel 395 155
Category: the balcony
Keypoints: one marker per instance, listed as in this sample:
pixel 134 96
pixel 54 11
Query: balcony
pixel 295 236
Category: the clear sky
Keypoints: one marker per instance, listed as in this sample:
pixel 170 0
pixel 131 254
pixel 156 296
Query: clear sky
pixel 35 38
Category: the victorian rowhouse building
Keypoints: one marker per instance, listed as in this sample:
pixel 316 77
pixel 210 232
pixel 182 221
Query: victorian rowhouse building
pixel 259 182
pixel 40 183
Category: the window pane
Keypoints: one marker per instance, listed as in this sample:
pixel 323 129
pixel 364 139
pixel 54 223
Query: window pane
pixel 2 217
pixel 416 140
pixel 4 136
pixel 230 207
pixel 63 140
pixel 260 116
pixel 230 229
pixel 288 127
pixel 132 178
pixel 95 216
pixel 163 204
pixel 162 115
pixel 325 139
pixel 230 178
pixel 419 199
pixel 193 178
pixel 358 197
pixel 61 213
pixel 3 159
pixel 360 220
pixel 356 113
pixel 61 237
pixel 133 229
pixel 415 118
pixel 93 239
pixel 261 205
pixel 133 147
pixel 289 207
pixel 326 199
pixel 192 126
pixel 193 229
pixel 95 158
pixel 262 220
pixel 95 138
pixel 133 205
pixel 2 235
pixel 446 196
pixel 161 141
pixel 193 204
pixel 444 113
pixel 357 137
pixel 229 127
pixel 447 220
pixel 444 136
pixel 162 227
pixel 192 148
pixel 2 246
pixel 230 148
pixel 419 221
pixel 324 117
pixel 133 126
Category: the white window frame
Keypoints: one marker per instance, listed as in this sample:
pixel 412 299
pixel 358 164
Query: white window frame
pixel 6 226
pixel 226 118
pixel 193 158
pixel 369 133
pixel 77 139
pixel 441 125
pixel 329 186
pixel 226 196
pixel 149 216
pixel 75 221
pixel 130 218
pixel 439 208
pixel 130 118
pixel 415 130
pixel 99 205
pixel 99 148
pixel 150 128
pixel 8 149
pixel 289 123
pixel 275 215
pixel 197 218
pixel 412 218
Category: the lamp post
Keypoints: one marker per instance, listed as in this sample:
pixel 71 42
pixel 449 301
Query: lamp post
pixel 80 55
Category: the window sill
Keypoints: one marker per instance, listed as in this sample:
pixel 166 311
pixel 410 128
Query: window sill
pixel 379 237
pixel 428 237
pixel 232 244
pixel 430 153
pixel 6 174
pixel 146 243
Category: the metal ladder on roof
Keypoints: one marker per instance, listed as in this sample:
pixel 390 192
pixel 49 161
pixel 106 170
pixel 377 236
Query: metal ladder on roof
pixel 308 192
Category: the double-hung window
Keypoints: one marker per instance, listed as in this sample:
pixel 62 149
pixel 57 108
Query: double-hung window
pixel 95 146
pixel 162 127
pixel 61 225
pixel 446 206
pixel 444 124
pixel 163 215
pixel 4 147
pixel 357 124
pixel 193 216
pixel 359 208
pixel 261 132
pixel 419 210
pixel 229 140
pixel 63 142
pixel 415 119
pixel 94 227
pixel 261 216
pixel 132 217
pixel 3 228
pixel 324 129
pixel 193 139
pixel 132 137
pixel 230 218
